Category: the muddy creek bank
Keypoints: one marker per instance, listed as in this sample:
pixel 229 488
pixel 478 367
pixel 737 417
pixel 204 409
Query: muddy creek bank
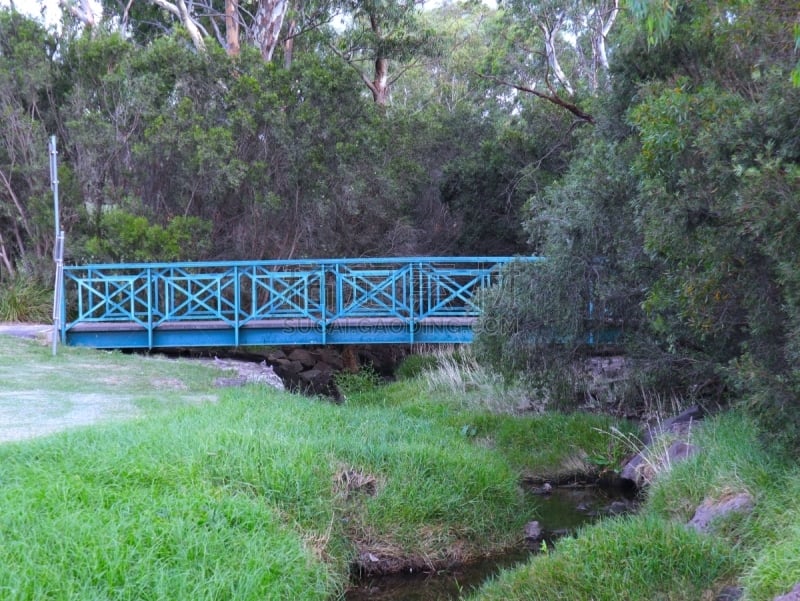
pixel 561 511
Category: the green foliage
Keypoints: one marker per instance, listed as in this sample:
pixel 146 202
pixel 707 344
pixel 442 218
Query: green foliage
pixel 128 238
pixel 542 314
pixel 364 381
pixel 27 99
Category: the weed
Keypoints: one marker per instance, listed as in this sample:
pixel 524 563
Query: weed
pixel 458 372
pixel 363 381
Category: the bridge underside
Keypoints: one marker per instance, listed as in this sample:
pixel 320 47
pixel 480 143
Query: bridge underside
pixel 272 332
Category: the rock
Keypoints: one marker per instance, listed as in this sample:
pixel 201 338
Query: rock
pixel 712 510
pixel 323 367
pixel 679 424
pixel 618 508
pixel 276 356
pixel 534 534
pixel 793 595
pixel 306 358
pixel 642 467
pixel 331 357
pixel 247 372
pixel 730 593
pixel 680 451
pixel 288 368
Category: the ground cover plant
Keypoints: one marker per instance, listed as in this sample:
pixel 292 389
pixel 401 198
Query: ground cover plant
pixel 253 493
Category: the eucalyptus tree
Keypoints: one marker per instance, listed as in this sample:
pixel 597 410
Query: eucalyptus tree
pixel 556 50
pixel 379 35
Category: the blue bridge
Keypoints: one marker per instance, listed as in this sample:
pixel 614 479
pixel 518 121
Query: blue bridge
pixel 420 300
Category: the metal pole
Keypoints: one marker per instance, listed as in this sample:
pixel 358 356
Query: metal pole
pixel 54 180
pixel 58 249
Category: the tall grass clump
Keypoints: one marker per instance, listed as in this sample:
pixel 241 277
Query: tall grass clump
pixel 456 371
pixel 25 300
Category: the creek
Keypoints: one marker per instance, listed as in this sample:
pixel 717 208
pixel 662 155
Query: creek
pixel 559 513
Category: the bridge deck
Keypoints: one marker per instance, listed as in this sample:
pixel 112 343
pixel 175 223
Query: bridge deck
pixel 272 332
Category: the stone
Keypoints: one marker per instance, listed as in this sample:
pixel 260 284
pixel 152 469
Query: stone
pixel 642 467
pixel 324 367
pixel 793 595
pixel 287 367
pixel 618 508
pixel 712 510
pixel 534 533
pixel 276 356
pixel 677 424
pixel 680 451
pixel 306 358
pixel 332 358
pixel 730 593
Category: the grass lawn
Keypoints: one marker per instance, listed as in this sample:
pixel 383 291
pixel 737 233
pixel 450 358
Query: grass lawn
pixel 251 493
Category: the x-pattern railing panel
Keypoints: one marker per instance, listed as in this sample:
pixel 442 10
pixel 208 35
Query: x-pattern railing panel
pixel 109 297
pixel 192 296
pixel 373 292
pixel 452 290
pixel 286 294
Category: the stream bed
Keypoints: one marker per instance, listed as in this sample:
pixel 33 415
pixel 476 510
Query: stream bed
pixel 559 513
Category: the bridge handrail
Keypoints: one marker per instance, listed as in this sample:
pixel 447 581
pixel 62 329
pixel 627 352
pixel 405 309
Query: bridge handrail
pixel 311 261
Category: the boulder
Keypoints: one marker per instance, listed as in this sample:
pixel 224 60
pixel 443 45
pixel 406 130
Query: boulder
pixel 287 368
pixel 663 445
pixel 534 534
pixel 306 358
pixel 711 511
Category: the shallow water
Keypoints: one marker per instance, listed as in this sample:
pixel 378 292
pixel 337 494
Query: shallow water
pixel 559 513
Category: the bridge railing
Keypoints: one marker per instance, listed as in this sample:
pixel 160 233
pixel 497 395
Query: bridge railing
pixel 317 293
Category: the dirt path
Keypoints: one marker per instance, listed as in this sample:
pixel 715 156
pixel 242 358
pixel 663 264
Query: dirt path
pixel 41 394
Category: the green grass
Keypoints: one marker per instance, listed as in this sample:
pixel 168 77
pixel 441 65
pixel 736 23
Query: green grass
pixel 624 559
pixel 252 493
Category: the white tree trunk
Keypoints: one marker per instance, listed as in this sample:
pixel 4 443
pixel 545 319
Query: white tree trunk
pixel 550 33
pixel 82 10
pixel 180 10
pixel 268 24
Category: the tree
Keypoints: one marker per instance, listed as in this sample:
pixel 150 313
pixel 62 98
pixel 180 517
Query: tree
pixel 382 31
pixel 27 82
pixel 542 36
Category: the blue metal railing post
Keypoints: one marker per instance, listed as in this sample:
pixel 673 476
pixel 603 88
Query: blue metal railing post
pixel 236 316
pixel 149 286
pixel 323 294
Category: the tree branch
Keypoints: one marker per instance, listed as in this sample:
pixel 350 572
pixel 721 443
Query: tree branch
pixel 551 97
